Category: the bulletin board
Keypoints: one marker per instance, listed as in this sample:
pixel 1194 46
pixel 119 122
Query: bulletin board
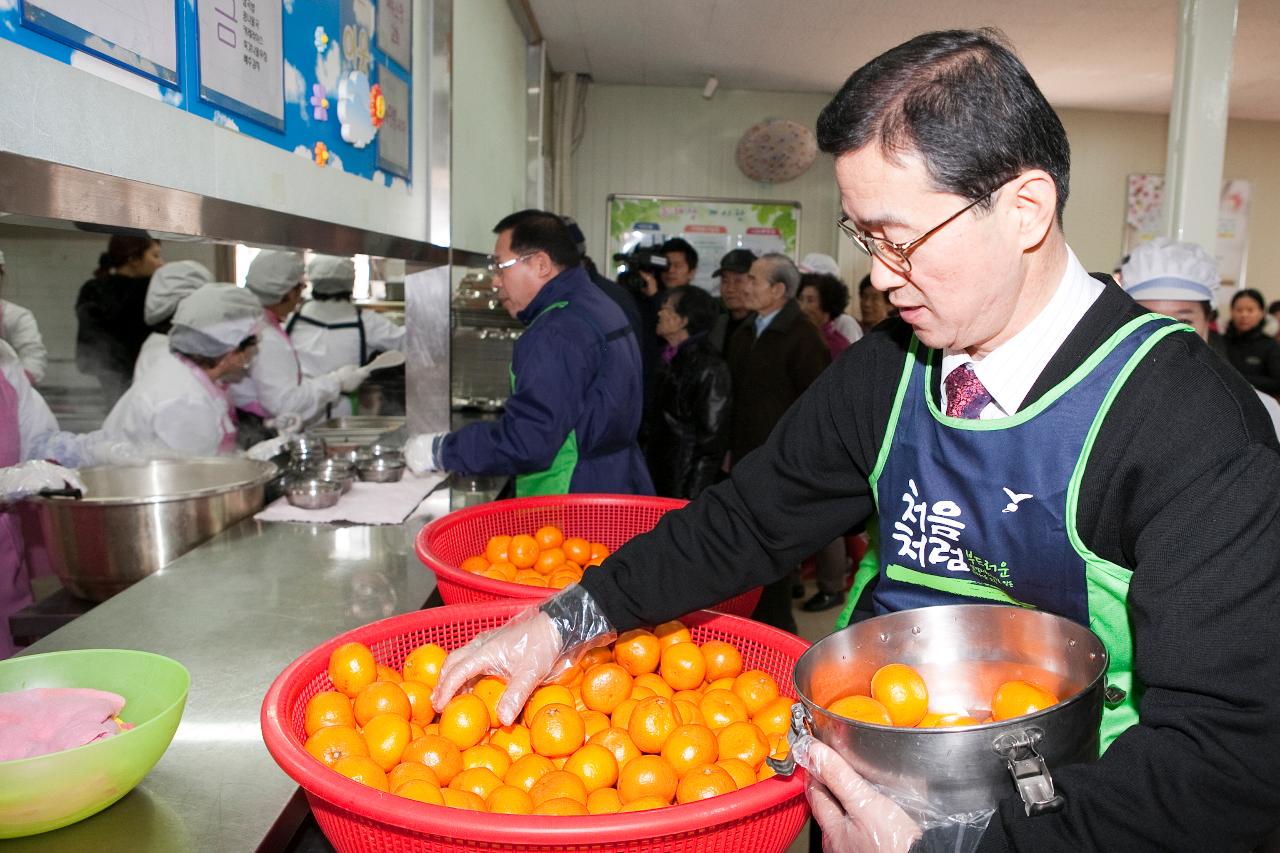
pixel 713 226
pixel 306 76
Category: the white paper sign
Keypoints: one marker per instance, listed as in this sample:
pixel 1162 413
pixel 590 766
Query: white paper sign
pixel 241 57
pixel 393 137
pixel 395 31
pixel 142 34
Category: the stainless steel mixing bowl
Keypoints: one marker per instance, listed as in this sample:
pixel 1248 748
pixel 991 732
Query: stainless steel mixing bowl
pixel 964 652
pixel 135 519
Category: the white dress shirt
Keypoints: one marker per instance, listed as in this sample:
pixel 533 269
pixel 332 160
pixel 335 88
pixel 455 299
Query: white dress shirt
pixel 1009 371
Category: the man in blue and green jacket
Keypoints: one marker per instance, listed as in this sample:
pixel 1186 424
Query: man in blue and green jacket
pixel 571 421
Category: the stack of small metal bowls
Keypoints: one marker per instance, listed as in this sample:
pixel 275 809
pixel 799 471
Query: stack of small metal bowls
pixel 385 464
pixel 310 482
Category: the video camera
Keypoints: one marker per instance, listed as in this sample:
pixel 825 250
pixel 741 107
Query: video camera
pixel 648 259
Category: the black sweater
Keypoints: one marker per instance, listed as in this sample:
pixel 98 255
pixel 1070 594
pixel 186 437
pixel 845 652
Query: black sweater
pixel 1256 355
pixel 1181 487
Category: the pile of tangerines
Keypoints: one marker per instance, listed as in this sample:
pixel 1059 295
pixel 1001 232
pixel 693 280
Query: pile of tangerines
pixel 547 558
pixel 651 720
pixel 900 697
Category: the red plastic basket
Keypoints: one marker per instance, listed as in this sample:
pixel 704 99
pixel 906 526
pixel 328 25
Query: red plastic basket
pixel 766 816
pixel 612 519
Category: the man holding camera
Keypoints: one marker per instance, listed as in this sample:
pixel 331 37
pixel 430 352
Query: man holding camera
pixel 570 423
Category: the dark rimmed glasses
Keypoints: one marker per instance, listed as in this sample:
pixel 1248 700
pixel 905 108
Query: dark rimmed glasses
pixel 897 256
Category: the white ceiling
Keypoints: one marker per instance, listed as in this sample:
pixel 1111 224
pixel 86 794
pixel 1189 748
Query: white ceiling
pixel 1089 54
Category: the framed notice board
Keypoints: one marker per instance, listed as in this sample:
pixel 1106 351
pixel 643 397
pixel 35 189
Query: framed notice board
pixel 712 226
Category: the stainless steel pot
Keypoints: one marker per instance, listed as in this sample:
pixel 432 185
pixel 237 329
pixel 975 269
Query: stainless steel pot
pixel 136 519
pixel 964 652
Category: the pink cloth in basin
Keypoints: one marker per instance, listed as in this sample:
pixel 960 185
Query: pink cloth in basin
pixel 50 719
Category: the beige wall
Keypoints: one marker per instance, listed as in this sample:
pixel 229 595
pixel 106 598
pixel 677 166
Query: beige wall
pixel 646 139
pixel 672 141
pixel 488 174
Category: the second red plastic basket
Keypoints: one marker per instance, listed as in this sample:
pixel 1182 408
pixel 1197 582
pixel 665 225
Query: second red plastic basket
pixel 443 544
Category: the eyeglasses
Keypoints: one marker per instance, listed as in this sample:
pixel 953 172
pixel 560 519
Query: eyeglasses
pixel 497 267
pixel 896 256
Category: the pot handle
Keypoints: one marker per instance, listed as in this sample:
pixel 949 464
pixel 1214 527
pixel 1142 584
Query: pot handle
pixel 67 492
pixel 1029 771
pixel 801 724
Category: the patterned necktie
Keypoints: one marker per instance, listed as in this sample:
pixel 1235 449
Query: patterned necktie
pixel 966 398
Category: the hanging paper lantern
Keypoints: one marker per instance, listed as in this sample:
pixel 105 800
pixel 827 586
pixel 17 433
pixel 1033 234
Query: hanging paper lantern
pixel 776 150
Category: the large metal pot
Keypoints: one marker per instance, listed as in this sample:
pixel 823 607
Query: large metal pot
pixel 135 519
pixel 964 652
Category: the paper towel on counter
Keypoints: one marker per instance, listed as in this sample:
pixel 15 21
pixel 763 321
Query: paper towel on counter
pixel 366 503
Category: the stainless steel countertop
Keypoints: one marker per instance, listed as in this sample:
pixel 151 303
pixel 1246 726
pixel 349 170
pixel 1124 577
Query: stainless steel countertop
pixel 236 611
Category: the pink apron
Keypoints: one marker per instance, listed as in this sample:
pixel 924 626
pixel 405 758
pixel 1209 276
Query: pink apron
pixel 15 584
pixel 227 445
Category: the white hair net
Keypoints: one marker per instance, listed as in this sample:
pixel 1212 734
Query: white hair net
pixel 331 274
pixel 170 285
pixel 1169 269
pixel 820 263
pixel 214 320
pixel 273 274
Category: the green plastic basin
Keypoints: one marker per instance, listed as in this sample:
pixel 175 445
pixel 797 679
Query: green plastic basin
pixel 50 791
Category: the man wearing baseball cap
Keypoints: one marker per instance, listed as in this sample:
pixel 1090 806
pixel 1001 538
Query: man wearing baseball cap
pixel 733 276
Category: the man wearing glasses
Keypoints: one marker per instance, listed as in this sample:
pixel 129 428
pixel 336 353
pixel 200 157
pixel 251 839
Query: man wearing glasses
pixel 571 421
pixel 1025 434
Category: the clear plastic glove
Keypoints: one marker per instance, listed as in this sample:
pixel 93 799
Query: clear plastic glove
pixel 853 814
pixel 422 452
pixel 534 646
pixel 285 424
pixel 265 451
pixel 30 478
pixel 350 377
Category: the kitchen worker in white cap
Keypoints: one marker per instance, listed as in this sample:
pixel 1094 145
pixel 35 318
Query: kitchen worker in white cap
pixel 19 329
pixel 329 332
pixel 279 385
pixel 1181 280
pixel 169 285
pixel 184 404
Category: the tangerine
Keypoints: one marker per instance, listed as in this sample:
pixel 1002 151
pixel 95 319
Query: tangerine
pixel 523 551
pixel 743 774
pixel 621 716
pixel 683 666
pixel 595 721
pixel 548 561
pixel 406 770
pixel 421 790
pixel 774 718
pixel 638 651
pixel 352 668
pixel 387 736
pixel 1018 698
pixel 487 755
pixel 618 742
pixel 902 691
pixel 490 690
pixel 527 770
pixel 453 798
pixel 422 711
pixel 670 633
pixel 595 765
pixel 475 564
pixel 440 754
pixel 386 673
pixel 576 549
pixel 743 741
pixel 480 781
pixel 513 739
pixel 949 721
pixel 689 711
pixel 501 572
pixel 604 801
pixel 381 697
pixel 507 799
pixel 652 722
pixel 465 720
pixel 496 549
pixel 547 694
pixel 362 770
pixel 756 689
pixel 689 746
pixel 655 683
pixel 332 743
pixel 529 577
pixel 561 806
pixel 562 577
pixel 557 730
pixel 600 654
pixel 721 707
pixel 556 784
pixel 647 776
pixel 864 709
pixel 644 804
pixel 722 659
pixel 328 708
pixel 549 536
pixel 599 551
pixel 423 664
pixel 703 782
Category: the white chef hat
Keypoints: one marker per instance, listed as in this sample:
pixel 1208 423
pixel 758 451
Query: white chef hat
pixel 273 274
pixel 1163 269
pixel 820 263
pixel 170 285
pixel 331 274
pixel 214 320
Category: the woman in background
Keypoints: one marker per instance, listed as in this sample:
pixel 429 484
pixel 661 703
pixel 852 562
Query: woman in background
pixel 823 298
pixel 1250 350
pixel 110 313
